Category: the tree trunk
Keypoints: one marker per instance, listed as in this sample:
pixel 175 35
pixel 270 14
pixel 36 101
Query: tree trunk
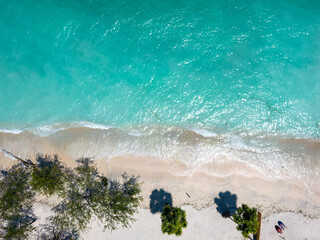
pixel 26 163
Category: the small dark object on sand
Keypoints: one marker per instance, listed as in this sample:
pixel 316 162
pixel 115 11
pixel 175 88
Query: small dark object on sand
pixel 278 229
pixel 281 225
pixel 188 195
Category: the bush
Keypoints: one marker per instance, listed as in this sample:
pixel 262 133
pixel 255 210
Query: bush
pixel 173 219
pixel 247 220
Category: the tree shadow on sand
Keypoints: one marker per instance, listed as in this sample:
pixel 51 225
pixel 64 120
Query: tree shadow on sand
pixel 52 231
pixel 158 199
pixel 226 203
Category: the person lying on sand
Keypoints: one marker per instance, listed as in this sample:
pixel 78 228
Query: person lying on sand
pixel 281 225
pixel 278 229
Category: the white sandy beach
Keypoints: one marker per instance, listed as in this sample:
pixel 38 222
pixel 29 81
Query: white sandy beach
pixel 206 184
pixel 202 225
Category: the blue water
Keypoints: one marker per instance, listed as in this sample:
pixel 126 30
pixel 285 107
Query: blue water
pixel 248 66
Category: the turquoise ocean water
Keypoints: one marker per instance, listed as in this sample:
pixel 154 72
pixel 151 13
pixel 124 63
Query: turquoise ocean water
pixel 236 68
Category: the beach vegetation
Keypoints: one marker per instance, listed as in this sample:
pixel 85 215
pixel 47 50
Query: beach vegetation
pixel 48 176
pixel 89 194
pixel 84 195
pixel 173 219
pixel 16 201
pixel 247 220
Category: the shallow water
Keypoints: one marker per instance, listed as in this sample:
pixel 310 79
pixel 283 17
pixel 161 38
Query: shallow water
pixel 228 66
pixel 242 75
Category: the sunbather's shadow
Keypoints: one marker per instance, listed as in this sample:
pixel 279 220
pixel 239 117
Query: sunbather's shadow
pixel 226 203
pixel 158 199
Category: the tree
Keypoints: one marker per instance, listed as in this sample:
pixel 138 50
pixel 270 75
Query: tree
pixel 48 176
pixel 16 200
pixel 18 187
pixel 85 194
pixel 247 220
pixel 173 219
pixel 89 194
pixel 118 203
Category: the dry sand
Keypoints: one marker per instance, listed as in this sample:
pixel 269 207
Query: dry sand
pixel 208 224
pixel 202 225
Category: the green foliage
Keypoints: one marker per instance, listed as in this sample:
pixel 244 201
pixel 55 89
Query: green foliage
pixel 118 202
pixel 173 219
pixel 16 200
pixel 48 175
pixel 89 194
pixel 85 194
pixel 247 220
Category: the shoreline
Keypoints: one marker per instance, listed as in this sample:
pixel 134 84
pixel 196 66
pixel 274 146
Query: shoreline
pixel 45 130
pixel 275 179
pixel 219 162
pixel 203 187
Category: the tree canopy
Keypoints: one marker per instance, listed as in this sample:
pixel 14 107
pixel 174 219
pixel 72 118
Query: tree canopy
pixel 16 201
pixel 85 194
pixel 48 175
pixel 89 194
pixel 173 219
pixel 247 220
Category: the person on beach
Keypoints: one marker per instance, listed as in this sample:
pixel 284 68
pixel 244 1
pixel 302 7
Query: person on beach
pixel 281 225
pixel 278 229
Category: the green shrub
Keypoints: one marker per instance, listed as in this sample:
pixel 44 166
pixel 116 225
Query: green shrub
pixel 173 219
pixel 247 220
